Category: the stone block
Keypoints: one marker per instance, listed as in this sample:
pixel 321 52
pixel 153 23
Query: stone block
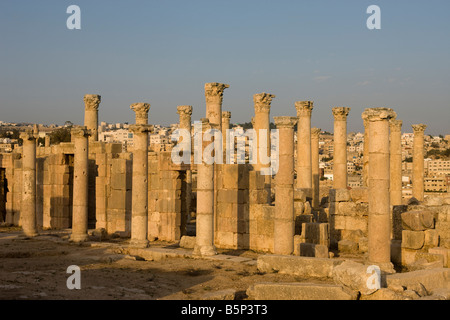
pixel 417 220
pixel 444 252
pixel 299 208
pixel 359 194
pixel 431 279
pixel 299 291
pixel 353 209
pixel 413 239
pixel 356 223
pixel 300 195
pixel 256 180
pixel 307 250
pixel 259 196
pixel 433 201
pixel 431 238
pixel 339 195
pixel 363 245
pixel 320 251
pixel 354 276
pixel 300 266
pixel 226 294
pixel 187 242
pixel 347 246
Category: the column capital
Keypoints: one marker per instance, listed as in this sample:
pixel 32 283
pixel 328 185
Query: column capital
pixel 92 101
pixel 214 90
pixel 141 109
pixel 140 128
pixel 226 114
pixel 304 108
pixel 419 128
pixel 316 132
pixel 184 110
pixel 340 113
pixel 285 122
pixel 379 114
pixel 395 125
pixel 262 101
pixel 80 132
pixel 28 135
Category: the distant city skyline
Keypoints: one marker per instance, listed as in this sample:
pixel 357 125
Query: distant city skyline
pixel 163 52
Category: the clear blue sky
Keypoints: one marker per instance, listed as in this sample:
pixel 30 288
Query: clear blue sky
pixel 162 52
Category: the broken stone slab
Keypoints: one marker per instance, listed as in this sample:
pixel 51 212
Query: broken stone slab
pixel 425 260
pixel 300 266
pixel 187 242
pixel 356 276
pixel 299 291
pixel 431 279
pixel 417 220
pixel 226 294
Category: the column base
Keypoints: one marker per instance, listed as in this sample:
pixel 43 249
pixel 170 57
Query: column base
pixel 204 251
pixel 139 243
pixel 30 233
pixel 79 237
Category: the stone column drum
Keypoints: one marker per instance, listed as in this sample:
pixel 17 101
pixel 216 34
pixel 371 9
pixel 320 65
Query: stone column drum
pixel 379 227
pixel 284 225
pixel 340 147
pixel 139 194
pixel 204 245
pixel 214 98
pixel 262 103
pixel 315 133
pixel 185 113
pixel 304 161
pixel 226 116
pixel 365 173
pixel 396 162
pixel 91 103
pixel 28 205
pixel 418 162
pixel 80 184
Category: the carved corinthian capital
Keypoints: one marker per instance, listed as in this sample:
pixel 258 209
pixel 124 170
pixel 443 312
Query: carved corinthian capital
pixel 315 132
pixel 184 110
pixel 304 108
pixel 80 132
pixel 395 125
pixel 141 109
pixel 92 101
pixel 262 102
pixel 285 122
pixel 214 91
pixel 379 114
pixel 340 113
pixel 226 114
pixel 419 128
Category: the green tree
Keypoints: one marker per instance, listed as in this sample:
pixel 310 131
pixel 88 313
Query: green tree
pixel 60 135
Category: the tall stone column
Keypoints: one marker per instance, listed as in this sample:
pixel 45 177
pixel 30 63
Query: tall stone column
pixel 396 162
pixel 304 161
pixel 80 184
pixel 418 161
pixel 185 113
pixel 365 173
pixel 340 147
pixel 204 245
pixel 379 227
pixel 315 134
pixel 91 103
pixel 284 224
pixel 28 204
pixel 226 116
pixel 214 98
pixel 262 102
pixel 139 193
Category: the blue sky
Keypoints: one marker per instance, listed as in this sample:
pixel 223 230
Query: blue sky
pixel 162 52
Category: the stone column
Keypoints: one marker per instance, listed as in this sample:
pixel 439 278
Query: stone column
pixel 214 97
pixel 315 133
pixel 80 184
pixel 396 162
pixel 284 225
pixel 418 161
pixel 204 245
pixel 379 226
pixel 185 113
pixel 365 173
pixel 28 204
pixel 304 162
pixel 226 116
pixel 91 103
pixel 139 192
pixel 340 147
pixel 262 102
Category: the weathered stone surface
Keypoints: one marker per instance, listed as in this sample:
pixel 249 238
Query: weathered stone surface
pixel 444 252
pixel 433 201
pixel 431 238
pixel 431 279
pixel 347 246
pixel 301 266
pixel 299 291
pixel 226 294
pixel 359 194
pixel 417 220
pixel 412 239
pixel 353 275
pixel 385 294
pixel 339 195
pixel 187 242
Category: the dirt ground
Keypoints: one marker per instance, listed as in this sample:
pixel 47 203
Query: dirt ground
pixel 37 269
